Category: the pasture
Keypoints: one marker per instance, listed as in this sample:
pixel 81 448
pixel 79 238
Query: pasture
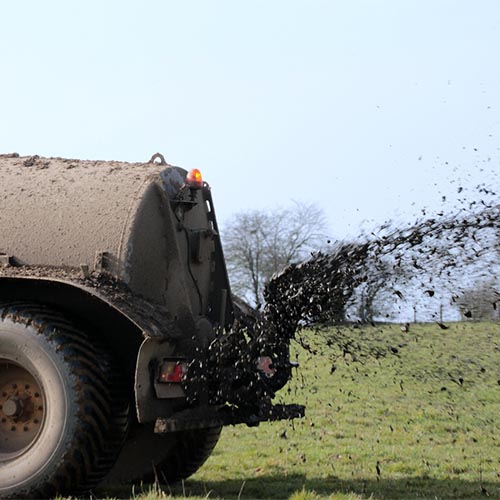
pixel 421 422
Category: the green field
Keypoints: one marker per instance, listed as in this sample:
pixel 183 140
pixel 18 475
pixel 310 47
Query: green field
pixel 421 423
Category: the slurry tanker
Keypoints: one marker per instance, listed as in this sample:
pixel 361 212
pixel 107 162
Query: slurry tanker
pixel 122 350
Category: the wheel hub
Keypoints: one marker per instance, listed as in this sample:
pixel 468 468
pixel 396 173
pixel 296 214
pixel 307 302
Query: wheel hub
pixel 21 409
pixel 12 407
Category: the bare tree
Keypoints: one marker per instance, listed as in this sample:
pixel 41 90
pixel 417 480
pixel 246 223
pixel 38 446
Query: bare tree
pixel 368 294
pixel 258 243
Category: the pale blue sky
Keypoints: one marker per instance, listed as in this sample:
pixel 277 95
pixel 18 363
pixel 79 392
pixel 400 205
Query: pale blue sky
pixel 371 109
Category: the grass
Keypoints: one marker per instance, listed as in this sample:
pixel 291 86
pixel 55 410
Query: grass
pixel 421 423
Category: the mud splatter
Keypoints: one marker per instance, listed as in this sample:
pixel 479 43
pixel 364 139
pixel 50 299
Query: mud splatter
pixel 435 259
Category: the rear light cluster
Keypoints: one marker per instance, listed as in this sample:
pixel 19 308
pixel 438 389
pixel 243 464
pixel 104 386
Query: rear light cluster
pixel 172 371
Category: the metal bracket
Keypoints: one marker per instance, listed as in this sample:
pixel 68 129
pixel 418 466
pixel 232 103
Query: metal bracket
pixel 102 261
pixel 5 260
pixel 84 268
pixel 205 416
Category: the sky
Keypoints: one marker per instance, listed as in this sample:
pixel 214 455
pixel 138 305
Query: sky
pixel 373 110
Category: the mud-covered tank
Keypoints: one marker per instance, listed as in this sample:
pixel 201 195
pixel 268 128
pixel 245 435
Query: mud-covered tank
pixel 111 215
pixel 113 287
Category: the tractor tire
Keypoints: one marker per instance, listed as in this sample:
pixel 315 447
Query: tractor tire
pixel 60 428
pixel 165 458
pixel 191 450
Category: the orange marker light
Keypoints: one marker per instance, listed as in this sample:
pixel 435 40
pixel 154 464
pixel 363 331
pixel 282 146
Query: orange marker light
pixel 194 179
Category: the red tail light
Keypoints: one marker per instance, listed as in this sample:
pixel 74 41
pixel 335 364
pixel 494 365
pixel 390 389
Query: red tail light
pixel 172 372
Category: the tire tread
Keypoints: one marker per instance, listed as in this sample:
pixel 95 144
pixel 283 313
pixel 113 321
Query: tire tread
pixel 103 403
